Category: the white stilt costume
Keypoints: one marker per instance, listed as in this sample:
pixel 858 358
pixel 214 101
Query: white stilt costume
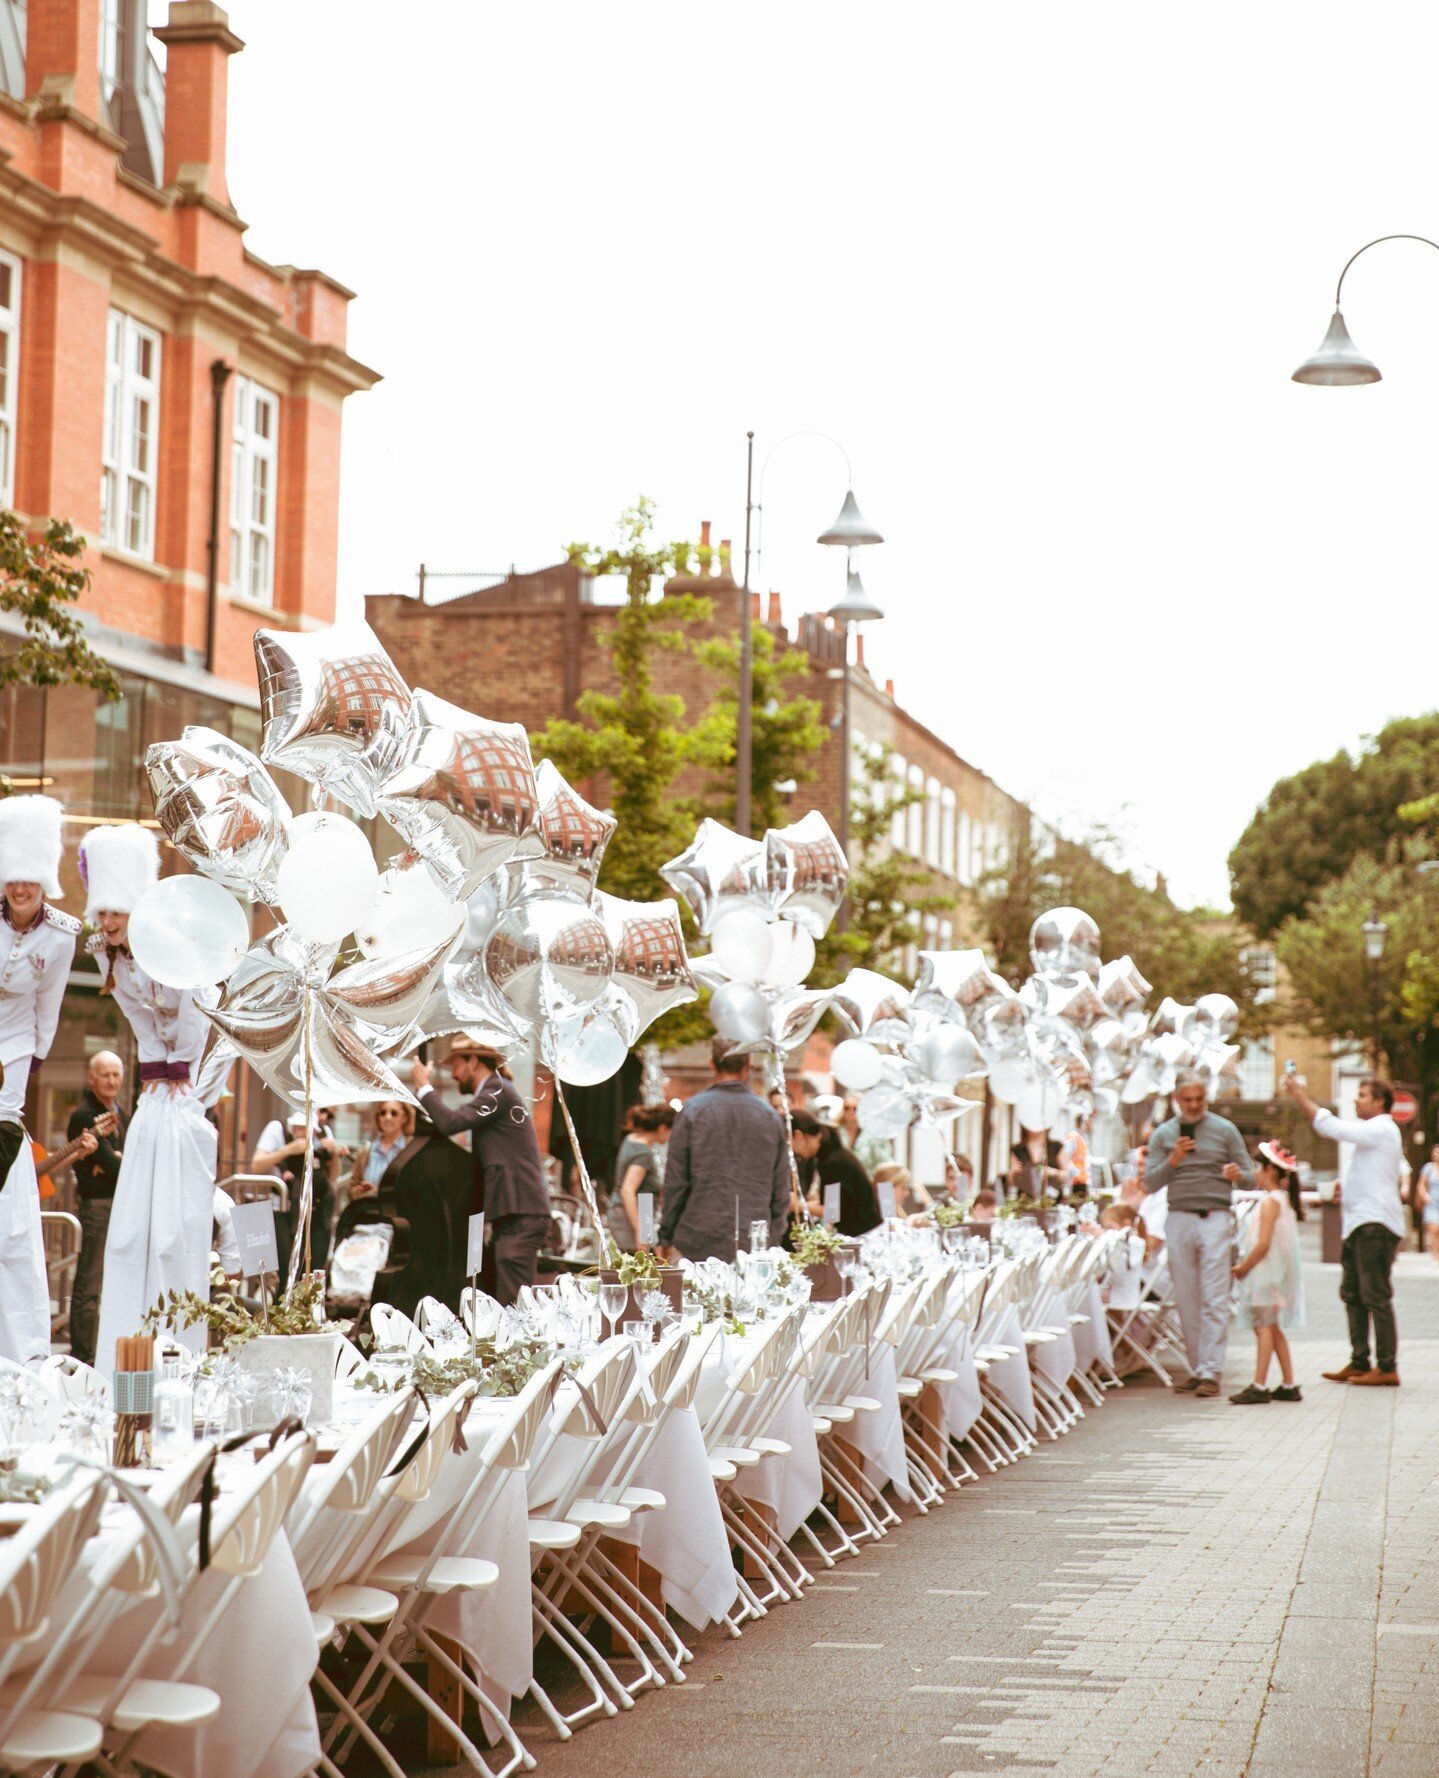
pixel 34 965
pixel 160 1227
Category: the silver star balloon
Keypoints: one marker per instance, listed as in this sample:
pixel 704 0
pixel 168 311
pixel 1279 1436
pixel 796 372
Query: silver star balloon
pixel 1064 938
pixel 806 872
pixel 548 955
pixel 463 794
pixel 573 835
pixel 333 705
pixel 718 873
pixel 873 1005
pixel 217 804
pixel 650 965
pixel 1122 986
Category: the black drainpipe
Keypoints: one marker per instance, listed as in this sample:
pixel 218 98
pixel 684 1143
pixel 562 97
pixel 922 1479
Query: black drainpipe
pixel 220 374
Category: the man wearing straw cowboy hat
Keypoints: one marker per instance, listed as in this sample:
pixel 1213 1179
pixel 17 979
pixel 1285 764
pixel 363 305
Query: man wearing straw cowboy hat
pixel 37 945
pixel 509 1171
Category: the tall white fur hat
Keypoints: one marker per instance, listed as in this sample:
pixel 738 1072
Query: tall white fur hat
pixel 118 865
pixel 30 842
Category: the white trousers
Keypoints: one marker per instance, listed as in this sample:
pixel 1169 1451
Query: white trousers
pixel 24 1283
pixel 1200 1251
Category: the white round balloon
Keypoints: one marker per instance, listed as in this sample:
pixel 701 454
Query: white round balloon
pixel 741 944
pixel 791 954
pixel 856 1065
pixel 740 1012
pixel 950 1054
pixel 410 912
pixel 340 828
pixel 1038 1106
pixel 326 887
pixel 1008 1079
pixel 188 932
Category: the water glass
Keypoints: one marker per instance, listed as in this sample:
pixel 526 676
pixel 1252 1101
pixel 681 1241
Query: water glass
pixel 758 1235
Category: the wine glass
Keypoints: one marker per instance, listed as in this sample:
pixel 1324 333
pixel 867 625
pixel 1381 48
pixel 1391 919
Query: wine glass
pixel 846 1263
pixel 613 1300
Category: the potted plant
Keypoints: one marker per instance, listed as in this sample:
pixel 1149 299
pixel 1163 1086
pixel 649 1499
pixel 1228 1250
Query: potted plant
pixel 285 1335
pixel 641 1272
pixel 813 1247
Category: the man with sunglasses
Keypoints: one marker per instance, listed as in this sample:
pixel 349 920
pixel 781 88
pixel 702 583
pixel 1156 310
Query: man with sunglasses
pixel 509 1173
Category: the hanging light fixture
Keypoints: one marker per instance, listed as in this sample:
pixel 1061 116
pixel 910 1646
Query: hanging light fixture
pixel 1338 363
pixel 851 528
pixel 856 606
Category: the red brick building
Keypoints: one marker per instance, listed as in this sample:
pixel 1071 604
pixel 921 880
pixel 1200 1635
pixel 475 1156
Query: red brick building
pixel 172 395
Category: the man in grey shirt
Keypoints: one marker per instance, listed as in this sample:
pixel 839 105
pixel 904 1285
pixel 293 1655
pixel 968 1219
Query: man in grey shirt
pixel 728 1165
pixel 1200 1157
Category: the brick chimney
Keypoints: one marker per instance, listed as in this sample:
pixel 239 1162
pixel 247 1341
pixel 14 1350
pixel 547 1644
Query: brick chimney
pixel 704 533
pixel 62 54
pixel 754 608
pixel 774 612
pixel 889 688
pixel 726 555
pixel 199 43
pixel 859 648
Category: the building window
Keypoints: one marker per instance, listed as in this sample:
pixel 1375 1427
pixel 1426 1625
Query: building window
pixel 966 863
pixel 946 831
pixel 1258 1065
pixel 897 818
pixel 1258 964
pixel 109 52
pixel 9 370
pixel 931 822
pixel 132 412
pixel 253 455
pixel 914 836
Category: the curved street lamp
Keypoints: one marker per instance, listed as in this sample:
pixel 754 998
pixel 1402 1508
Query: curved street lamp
pixel 1338 363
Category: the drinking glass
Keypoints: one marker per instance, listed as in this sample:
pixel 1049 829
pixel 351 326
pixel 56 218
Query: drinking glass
pixel 613 1301
pixel 758 1235
pixel 846 1263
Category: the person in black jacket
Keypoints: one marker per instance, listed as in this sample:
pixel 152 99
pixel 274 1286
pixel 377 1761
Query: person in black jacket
pixel 95 1177
pixel 824 1160
pixel 509 1173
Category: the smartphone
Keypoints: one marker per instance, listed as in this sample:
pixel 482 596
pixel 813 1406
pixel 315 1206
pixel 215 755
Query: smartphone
pixel 1188 1130
pixel 1291 1067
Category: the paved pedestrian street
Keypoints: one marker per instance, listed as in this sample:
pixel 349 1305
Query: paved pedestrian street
pixel 1178 1586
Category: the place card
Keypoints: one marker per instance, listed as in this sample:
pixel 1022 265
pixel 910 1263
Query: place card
pixel 831 1203
pixel 475 1250
pixel 646 1204
pixel 254 1226
pixel 887 1207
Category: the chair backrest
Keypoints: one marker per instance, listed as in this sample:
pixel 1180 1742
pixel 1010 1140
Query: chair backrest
pixel 73 1380
pixel 247 1523
pixel 513 1438
pixel 479 1312
pixel 609 1376
pixel 347 1483
pixel 394 1328
pixel 39 1558
pixel 418 1478
pixel 686 1385
pixel 175 1488
pixel 647 1404
pixel 349 1358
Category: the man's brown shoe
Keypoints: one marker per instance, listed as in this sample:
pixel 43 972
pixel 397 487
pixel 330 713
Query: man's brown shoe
pixel 1187 1387
pixel 1208 1386
pixel 1349 1372
pixel 1377 1379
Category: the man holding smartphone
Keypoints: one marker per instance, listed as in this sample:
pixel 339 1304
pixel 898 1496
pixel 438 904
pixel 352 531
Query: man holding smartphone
pixel 1200 1157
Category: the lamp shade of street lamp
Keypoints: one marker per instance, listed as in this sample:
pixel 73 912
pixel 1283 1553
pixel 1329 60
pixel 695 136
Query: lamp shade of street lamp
pixel 852 528
pixel 1375 933
pixel 1338 364
pixel 856 607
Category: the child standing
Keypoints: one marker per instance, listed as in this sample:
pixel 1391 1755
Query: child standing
pixel 1271 1287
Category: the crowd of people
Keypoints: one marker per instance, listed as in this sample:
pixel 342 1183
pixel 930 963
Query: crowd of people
pixel 692 1182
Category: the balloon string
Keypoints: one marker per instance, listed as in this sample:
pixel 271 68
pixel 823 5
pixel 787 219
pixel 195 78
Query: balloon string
pixel 300 1247
pixel 777 1084
pixel 586 1187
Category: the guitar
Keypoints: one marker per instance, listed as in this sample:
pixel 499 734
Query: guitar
pixel 104 1125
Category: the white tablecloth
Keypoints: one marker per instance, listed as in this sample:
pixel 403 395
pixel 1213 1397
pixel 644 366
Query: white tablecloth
pixel 879 1437
pixel 1009 1377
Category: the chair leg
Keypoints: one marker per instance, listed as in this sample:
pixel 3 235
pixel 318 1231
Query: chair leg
pixel 521 1757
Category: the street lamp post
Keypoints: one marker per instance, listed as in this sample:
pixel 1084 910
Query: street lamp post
pixel 850 531
pixel 1375 934
pixel 1338 363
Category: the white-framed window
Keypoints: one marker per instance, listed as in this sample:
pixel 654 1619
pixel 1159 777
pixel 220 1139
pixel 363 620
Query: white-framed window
pixel 9 370
pixel 109 50
pixel 1258 1066
pixel 897 819
pixel 254 465
pixel 931 821
pixel 946 831
pixel 966 860
pixel 1258 964
pixel 132 425
pixel 914 811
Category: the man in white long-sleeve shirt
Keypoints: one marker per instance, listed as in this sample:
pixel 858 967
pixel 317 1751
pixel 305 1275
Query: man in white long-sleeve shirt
pixel 1373 1225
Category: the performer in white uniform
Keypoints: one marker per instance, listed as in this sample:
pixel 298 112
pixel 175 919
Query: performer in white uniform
pixel 160 1226
pixel 37 945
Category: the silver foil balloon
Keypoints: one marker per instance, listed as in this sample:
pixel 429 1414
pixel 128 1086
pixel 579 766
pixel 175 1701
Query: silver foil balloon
pixel 949 1053
pixel 1215 1019
pixel 548 956
pixel 885 1111
pixel 1068 995
pixel 1108 1047
pixel 297 1025
pixel 333 706
pixel 1064 938
pixel 217 804
pixel 463 794
pixel 873 1005
pixel 1002 1030
pixel 955 983
pixel 590 1046
pixel 1171 1052
pixel 651 969
pixel 806 872
pixel 1122 986
pixel 719 872
pixel 794 1013
pixel 572 834
pixel 1170 1018
pixel 740 1012
pixel 458 1003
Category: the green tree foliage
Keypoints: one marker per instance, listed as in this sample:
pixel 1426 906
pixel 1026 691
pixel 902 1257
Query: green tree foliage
pixel 786 731
pixel 637 738
pixel 1313 824
pixel 1183 952
pixel 889 891
pixel 1330 977
pixel 40 583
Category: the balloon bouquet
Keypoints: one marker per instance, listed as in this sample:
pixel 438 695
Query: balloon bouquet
pixel 1072 1040
pixel 488 919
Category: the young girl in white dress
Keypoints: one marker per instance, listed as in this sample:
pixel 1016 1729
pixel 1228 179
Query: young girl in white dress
pixel 1270 1278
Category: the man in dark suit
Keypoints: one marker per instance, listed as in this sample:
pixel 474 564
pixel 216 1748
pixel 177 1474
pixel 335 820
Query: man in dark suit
pixel 508 1170
pixel 95 1177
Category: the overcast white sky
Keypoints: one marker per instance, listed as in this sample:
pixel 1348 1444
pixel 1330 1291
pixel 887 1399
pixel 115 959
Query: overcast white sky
pixel 1043 269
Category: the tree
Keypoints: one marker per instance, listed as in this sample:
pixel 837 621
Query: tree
pixel 786 732
pixel 638 738
pixel 1314 823
pixel 40 580
pixel 889 891
pixel 635 737
pixel 1330 977
pixel 1183 952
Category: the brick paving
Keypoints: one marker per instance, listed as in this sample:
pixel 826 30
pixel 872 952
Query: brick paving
pixel 1177 1587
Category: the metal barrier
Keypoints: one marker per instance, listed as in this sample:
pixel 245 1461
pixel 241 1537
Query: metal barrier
pixel 62 1235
